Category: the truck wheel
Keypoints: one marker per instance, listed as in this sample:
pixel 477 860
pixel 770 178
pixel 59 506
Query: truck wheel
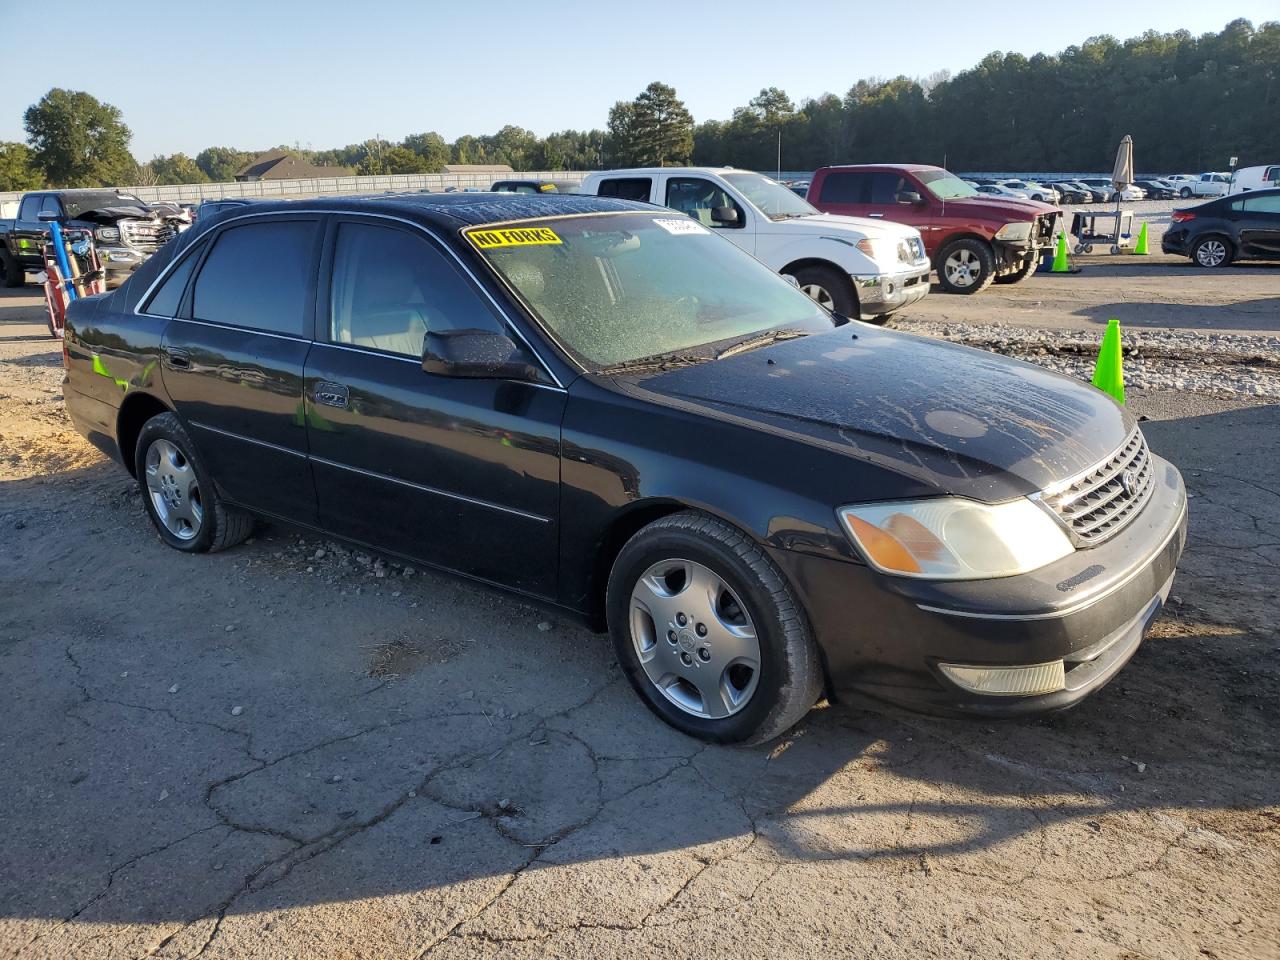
pixel 11 274
pixel 1184 192
pixel 828 287
pixel 1021 273
pixel 966 266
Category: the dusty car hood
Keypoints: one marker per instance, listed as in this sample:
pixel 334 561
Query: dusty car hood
pixel 964 421
pixel 827 224
pixel 1000 208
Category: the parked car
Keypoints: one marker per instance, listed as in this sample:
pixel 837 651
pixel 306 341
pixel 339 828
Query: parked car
pixel 1239 227
pixel 856 267
pixel 606 407
pixel 1254 178
pixel 1000 190
pixel 125 230
pixel 1036 191
pixel 1206 185
pixel 531 186
pixel 1073 193
pixel 1109 192
pixel 971 238
pixel 1097 194
pixel 1156 190
pixel 208 208
pixel 1179 180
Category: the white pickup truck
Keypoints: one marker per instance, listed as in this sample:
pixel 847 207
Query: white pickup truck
pixel 855 266
pixel 1206 185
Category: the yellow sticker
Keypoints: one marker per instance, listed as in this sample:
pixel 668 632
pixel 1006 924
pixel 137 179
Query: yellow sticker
pixel 514 237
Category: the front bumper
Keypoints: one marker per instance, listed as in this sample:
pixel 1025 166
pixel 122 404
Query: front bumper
pixel 881 293
pixel 119 261
pixel 883 637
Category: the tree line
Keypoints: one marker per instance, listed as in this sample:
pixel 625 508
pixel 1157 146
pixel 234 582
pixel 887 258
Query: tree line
pixel 1189 102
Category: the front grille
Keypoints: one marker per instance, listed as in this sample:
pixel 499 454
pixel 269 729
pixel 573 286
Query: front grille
pixel 1045 227
pixel 909 251
pixel 1100 503
pixel 146 235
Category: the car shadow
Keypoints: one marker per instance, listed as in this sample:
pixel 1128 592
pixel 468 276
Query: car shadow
pixel 1255 316
pixel 204 738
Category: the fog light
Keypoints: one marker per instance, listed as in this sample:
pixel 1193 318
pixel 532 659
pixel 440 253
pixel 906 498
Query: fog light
pixel 1035 678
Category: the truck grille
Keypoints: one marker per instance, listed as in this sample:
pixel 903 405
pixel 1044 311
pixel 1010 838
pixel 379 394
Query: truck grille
pixel 1045 225
pixel 909 251
pixel 1103 501
pixel 146 235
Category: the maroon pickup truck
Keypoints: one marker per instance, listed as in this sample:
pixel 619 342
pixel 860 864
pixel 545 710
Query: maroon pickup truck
pixel 971 239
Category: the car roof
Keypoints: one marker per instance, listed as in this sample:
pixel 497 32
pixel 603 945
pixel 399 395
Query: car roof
pixel 882 166
pixel 631 171
pixel 451 211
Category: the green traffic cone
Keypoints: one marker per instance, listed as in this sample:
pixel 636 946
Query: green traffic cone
pixel 1060 255
pixel 1108 375
pixel 1141 248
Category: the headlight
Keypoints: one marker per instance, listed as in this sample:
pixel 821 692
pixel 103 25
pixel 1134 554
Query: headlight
pixel 950 538
pixel 1014 231
pixel 879 249
pixel 107 233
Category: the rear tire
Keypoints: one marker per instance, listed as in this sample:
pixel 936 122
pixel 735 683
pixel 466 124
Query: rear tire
pixel 829 288
pixel 1028 268
pixel 1212 251
pixel 659 589
pixel 179 494
pixel 1184 193
pixel 966 266
pixel 11 272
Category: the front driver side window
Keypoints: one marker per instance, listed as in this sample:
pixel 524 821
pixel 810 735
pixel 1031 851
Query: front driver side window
pixel 390 287
pixel 698 198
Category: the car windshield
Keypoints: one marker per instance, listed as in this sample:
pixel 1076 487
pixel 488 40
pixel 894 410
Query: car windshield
pixel 614 289
pixel 769 196
pixel 945 185
pixel 80 203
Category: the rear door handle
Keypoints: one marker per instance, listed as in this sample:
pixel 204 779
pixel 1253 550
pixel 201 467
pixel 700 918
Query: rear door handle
pixel 331 394
pixel 177 359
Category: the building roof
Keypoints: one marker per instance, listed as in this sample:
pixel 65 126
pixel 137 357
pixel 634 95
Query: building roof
pixel 282 165
pixel 477 168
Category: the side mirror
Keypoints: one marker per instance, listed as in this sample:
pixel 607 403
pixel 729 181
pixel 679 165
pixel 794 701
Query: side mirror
pixel 909 196
pixel 724 215
pixel 475 354
pixel 45 216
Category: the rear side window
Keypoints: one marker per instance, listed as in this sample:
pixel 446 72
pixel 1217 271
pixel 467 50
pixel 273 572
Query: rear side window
pixel 627 188
pixel 1268 204
pixel 164 302
pixel 844 188
pixel 390 287
pixel 29 208
pixel 256 277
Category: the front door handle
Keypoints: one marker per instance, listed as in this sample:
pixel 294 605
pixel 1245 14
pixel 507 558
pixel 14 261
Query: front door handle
pixel 177 359
pixel 875 215
pixel 331 394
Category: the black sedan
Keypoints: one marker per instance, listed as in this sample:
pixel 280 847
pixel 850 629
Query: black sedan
pixel 1245 226
pixel 608 408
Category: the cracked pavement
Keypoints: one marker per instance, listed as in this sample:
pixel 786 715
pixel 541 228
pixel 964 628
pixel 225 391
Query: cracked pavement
pixel 289 749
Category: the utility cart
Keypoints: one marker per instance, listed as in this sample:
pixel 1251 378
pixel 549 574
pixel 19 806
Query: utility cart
pixel 1114 227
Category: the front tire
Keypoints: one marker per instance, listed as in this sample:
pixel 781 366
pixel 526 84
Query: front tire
pixel 178 493
pixel 11 273
pixel 1184 193
pixel 1212 251
pixel 709 633
pixel 1021 273
pixel 966 266
pixel 828 288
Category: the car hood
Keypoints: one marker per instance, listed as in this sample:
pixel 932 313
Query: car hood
pixel 962 421
pixel 1000 208
pixel 826 224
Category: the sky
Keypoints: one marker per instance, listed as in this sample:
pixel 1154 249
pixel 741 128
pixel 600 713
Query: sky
pixel 324 74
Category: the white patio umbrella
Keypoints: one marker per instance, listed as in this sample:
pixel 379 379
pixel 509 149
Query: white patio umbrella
pixel 1122 172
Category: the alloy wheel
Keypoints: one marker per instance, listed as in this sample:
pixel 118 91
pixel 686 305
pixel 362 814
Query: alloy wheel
pixel 962 268
pixel 694 639
pixel 820 295
pixel 174 490
pixel 1211 253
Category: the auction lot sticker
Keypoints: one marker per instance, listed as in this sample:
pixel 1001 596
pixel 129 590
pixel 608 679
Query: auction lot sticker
pixel 680 226
pixel 514 237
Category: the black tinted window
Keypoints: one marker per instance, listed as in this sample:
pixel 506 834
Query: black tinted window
pixel 390 287
pixel 164 302
pixel 51 205
pixel 627 188
pixel 885 187
pixel 844 188
pixel 256 276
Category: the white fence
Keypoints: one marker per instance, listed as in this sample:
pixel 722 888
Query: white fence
pixel 328 186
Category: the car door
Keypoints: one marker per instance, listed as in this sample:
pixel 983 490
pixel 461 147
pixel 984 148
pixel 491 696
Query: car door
pixel 845 192
pixel 885 201
pixel 1258 224
pixel 701 198
pixel 459 473
pixel 29 231
pixel 232 360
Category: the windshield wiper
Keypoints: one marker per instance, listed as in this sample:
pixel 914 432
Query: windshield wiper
pixel 762 340
pixel 657 361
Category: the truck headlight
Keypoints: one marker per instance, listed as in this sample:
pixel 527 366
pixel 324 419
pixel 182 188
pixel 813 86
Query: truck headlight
pixel 950 538
pixel 107 234
pixel 1014 231
pixel 879 249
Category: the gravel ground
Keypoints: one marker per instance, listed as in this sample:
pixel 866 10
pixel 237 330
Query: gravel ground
pixel 293 749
